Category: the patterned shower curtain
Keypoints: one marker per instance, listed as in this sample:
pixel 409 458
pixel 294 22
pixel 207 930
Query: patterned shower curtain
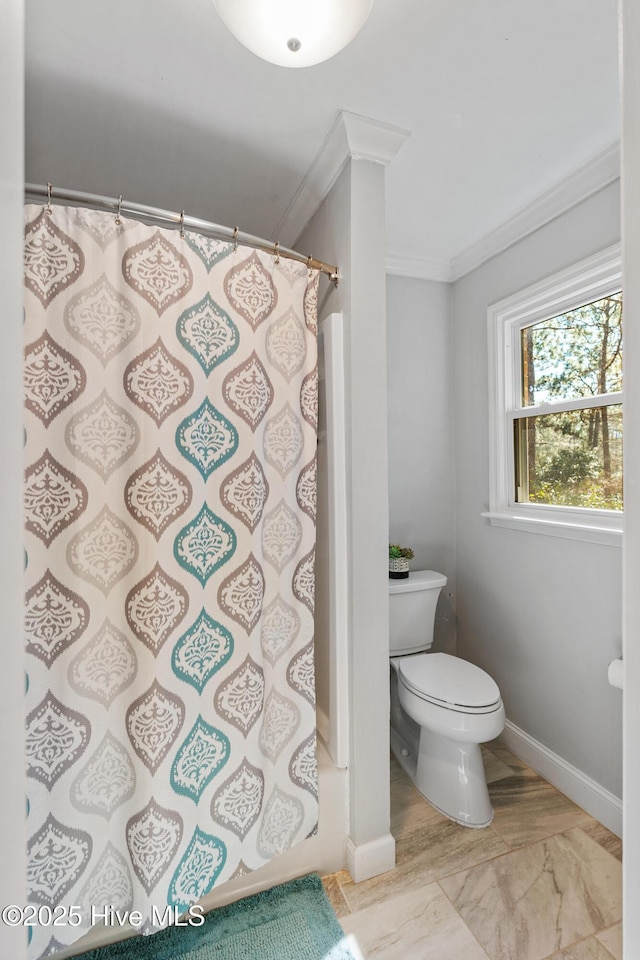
pixel 170 488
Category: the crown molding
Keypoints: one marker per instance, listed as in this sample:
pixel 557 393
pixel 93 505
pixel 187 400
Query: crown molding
pixel 351 137
pixel 598 173
pixel 587 180
pixel 427 268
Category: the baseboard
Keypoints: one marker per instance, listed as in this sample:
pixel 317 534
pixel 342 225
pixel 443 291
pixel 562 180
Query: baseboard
pixel 365 860
pixel 600 803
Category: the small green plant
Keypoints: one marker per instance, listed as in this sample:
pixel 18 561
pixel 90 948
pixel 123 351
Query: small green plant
pixel 396 552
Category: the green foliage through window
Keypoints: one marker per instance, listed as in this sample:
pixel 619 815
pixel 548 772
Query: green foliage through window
pixel 572 457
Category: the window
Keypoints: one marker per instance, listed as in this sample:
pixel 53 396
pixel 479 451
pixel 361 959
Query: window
pixel 555 362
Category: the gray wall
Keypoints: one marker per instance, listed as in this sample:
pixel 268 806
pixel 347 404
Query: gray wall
pixel 12 791
pixel 541 614
pixel 420 418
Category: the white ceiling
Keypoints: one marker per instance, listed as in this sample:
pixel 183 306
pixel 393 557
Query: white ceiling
pixel 155 100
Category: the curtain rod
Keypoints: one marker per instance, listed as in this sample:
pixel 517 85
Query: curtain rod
pixel 36 191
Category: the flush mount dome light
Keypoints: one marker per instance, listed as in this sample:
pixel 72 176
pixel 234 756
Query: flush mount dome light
pixel 294 33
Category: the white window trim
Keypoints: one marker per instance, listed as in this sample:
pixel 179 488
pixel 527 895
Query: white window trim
pixel 589 280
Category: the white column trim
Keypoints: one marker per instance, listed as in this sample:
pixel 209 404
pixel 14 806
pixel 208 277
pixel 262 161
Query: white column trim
pixel 630 202
pixel 351 137
pixel 370 859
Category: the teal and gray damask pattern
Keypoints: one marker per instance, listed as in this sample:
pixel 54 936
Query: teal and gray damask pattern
pixel 170 490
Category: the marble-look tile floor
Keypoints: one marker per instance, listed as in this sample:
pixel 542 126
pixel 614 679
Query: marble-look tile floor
pixel 543 882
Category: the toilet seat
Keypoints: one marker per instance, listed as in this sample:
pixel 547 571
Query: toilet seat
pixel 449 682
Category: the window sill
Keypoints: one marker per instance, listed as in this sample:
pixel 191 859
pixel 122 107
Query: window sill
pixel 609 533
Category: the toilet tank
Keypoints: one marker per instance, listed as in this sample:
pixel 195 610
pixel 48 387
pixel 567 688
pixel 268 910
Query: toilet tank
pixel 412 611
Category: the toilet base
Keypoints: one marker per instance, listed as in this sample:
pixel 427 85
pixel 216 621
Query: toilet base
pixel 439 750
pixel 449 774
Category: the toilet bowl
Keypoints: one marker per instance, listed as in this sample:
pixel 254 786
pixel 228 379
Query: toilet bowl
pixel 441 751
pixel 442 708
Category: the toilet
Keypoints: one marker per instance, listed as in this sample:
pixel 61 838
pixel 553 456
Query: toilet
pixel 442 707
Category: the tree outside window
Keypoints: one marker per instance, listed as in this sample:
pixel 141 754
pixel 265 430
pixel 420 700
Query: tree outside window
pixel 568 448
pixel 555 404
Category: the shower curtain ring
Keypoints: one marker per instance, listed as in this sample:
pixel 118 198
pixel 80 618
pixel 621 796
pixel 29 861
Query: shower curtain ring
pixel 276 250
pixel 182 225
pixel 309 259
pixel 235 239
pixel 118 217
pixel 49 189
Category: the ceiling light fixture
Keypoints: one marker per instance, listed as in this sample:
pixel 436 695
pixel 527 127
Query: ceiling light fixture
pixel 294 33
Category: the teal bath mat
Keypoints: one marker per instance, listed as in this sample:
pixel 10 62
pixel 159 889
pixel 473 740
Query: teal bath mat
pixel 293 921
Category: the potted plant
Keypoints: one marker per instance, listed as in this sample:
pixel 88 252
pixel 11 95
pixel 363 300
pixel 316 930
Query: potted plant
pixel 399 561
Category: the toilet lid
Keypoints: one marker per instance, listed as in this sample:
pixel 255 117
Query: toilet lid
pixel 449 680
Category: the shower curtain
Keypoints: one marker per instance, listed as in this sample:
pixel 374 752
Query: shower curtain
pixel 170 486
